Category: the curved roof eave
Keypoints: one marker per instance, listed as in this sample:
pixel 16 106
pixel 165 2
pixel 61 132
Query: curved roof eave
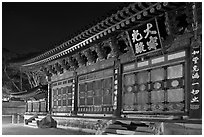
pixel 40 59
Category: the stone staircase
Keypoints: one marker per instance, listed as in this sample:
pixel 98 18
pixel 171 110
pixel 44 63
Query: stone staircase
pixel 33 122
pixel 128 128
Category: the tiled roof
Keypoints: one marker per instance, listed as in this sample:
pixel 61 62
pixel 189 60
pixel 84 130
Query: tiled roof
pixel 132 14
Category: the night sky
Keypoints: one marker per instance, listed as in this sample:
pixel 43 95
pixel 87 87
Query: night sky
pixel 37 27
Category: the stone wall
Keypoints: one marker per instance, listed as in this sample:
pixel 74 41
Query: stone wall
pixel 92 125
pixel 9 108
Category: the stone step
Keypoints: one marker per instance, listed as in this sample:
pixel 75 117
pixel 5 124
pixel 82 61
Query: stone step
pixel 34 124
pixel 110 131
pixel 129 132
pixel 128 128
pixel 38 119
pixel 125 132
pixel 143 133
pixel 110 134
pixel 116 126
pixel 144 129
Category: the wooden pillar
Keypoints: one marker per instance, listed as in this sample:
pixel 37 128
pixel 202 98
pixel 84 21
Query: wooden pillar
pixel 117 103
pixel 31 106
pixel 39 109
pixel 49 97
pixel 195 101
pixel 26 106
pixel 75 87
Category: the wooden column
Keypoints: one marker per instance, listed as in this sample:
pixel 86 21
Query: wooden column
pixel 117 103
pixel 39 106
pixel 75 91
pixel 49 97
pixel 26 106
pixel 195 101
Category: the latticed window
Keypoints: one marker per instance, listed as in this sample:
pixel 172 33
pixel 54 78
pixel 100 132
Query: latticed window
pixel 43 106
pixel 64 103
pixel 82 93
pixel 89 93
pixel 159 89
pixel 107 91
pixel 36 106
pixel 64 89
pixel 30 107
pixel 62 96
pixel 93 95
pixel 98 92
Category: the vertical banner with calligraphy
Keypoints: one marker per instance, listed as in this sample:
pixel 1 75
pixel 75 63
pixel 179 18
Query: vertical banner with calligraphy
pixel 145 38
pixel 195 92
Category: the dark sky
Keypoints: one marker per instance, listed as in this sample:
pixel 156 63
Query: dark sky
pixel 36 27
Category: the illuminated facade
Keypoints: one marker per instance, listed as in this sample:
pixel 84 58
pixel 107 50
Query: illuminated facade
pixel 143 61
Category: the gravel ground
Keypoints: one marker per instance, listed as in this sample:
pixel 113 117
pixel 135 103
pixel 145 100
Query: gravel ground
pixel 20 129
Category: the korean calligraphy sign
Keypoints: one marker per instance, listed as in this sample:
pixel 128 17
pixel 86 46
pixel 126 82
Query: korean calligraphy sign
pixel 195 91
pixel 145 38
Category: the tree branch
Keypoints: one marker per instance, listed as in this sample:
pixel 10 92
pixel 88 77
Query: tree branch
pixel 11 79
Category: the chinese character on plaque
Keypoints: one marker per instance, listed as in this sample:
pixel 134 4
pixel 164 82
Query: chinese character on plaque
pixel 195 52
pixel 195 76
pixel 195 68
pixel 195 93
pixel 145 38
pixel 194 99
pixel 195 60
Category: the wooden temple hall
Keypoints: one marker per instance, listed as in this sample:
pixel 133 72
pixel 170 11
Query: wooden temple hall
pixel 142 63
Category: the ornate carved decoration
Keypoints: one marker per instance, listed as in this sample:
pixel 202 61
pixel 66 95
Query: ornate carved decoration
pixel 180 21
pixel 100 51
pixel 166 22
pixel 180 42
pixel 189 15
pixel 52 69
pixel 115 51
pixel 58 67
pixel 46 71
pixel 80 58
pixel 179 26
pixel 122 41
pixel 90 56
pixel 64 64
pixel 73 63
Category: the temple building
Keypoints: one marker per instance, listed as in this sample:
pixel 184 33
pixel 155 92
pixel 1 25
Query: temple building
pixel 142 63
